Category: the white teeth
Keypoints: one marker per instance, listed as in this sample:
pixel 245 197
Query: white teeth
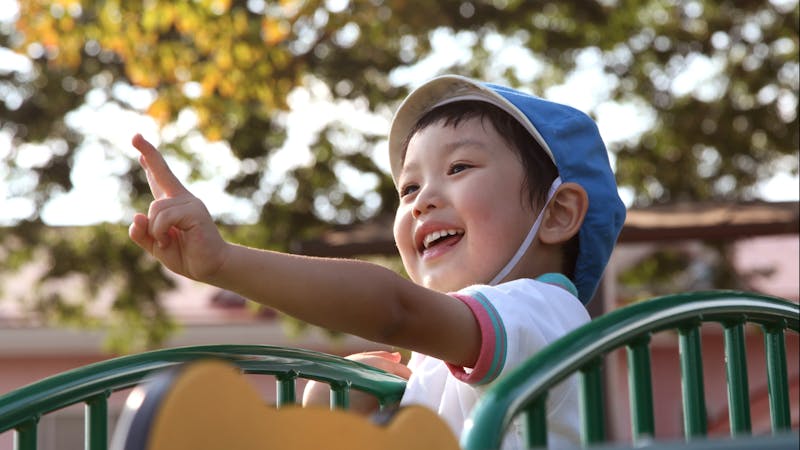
pixel 437 235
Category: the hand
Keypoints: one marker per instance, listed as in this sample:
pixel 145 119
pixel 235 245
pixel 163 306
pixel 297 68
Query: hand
pixel 317 393
pixel 386 361
pixel 177 230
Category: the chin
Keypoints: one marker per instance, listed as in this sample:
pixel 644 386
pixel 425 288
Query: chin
pixel 434 284
pixel 443 286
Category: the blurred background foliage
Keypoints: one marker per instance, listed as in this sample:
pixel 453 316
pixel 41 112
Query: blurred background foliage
pixel 234 63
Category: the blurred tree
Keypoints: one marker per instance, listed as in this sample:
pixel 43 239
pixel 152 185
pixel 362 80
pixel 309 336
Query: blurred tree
pixel 233 63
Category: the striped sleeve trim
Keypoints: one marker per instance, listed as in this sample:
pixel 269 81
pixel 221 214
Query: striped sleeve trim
pixel 492 355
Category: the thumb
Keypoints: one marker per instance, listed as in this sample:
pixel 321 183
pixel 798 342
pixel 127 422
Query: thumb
pixel 394 356
pixel 391 356
pixel 138 233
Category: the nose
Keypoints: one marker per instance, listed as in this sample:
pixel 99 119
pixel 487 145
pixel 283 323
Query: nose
pixel 426 200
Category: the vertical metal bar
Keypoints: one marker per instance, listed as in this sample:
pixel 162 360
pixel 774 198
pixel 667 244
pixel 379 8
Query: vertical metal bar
pixel 26 434
pixel 340 395
pixel 535 425
pixel 736 371
pixel 96 423
pixel 777 379
pixel 591 403
pixel 287 388
pixel 640 388
pixel 693 392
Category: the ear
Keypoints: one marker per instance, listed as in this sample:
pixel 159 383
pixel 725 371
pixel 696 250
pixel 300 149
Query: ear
pixel 565 214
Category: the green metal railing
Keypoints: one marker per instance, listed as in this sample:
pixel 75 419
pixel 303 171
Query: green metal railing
pixel 21 409
pixel 523 392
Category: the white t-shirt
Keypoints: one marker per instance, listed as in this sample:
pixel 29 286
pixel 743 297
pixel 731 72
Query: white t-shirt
pixel 517 319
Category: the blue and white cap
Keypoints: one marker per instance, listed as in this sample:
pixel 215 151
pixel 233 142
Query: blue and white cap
pixel 567 135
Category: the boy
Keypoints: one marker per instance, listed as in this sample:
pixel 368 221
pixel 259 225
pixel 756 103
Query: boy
pixel 472 164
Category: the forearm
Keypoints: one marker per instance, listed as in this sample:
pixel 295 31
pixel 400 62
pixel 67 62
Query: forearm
pixel 350 296
pixel 354 297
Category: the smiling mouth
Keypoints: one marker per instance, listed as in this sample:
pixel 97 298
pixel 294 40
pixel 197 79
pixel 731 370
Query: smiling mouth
pixel 439 237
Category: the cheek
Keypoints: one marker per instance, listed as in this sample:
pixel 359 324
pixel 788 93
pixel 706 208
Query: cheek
pixel 499 217
pixel 402 233
pixel 404 241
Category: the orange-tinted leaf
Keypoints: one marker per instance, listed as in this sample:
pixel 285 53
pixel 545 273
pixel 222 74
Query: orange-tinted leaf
pixel 274 31
pixel 160 110
pixel 209 82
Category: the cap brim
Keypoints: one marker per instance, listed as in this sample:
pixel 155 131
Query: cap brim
pixel 440 91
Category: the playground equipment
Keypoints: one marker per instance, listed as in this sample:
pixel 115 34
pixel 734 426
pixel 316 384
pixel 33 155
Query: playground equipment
pixel 521 393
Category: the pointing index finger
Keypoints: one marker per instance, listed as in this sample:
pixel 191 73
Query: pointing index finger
pixel 160 176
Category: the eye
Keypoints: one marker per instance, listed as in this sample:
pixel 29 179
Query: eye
pixel 408 189
pixel 458 168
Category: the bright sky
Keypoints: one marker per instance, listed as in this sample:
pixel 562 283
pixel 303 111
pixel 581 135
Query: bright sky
pixel 96 193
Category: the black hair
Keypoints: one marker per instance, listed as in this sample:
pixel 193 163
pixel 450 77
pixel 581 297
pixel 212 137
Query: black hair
pixel 539 169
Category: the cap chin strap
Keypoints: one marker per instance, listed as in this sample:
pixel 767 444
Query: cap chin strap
pixel 528 239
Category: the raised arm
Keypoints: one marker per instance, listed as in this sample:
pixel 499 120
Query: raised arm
pixel 350 296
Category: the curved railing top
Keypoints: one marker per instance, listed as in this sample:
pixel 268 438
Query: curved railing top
pixel 510 394
pixel 104 377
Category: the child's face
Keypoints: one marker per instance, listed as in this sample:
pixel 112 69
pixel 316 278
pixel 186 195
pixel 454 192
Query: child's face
pixel 463 184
